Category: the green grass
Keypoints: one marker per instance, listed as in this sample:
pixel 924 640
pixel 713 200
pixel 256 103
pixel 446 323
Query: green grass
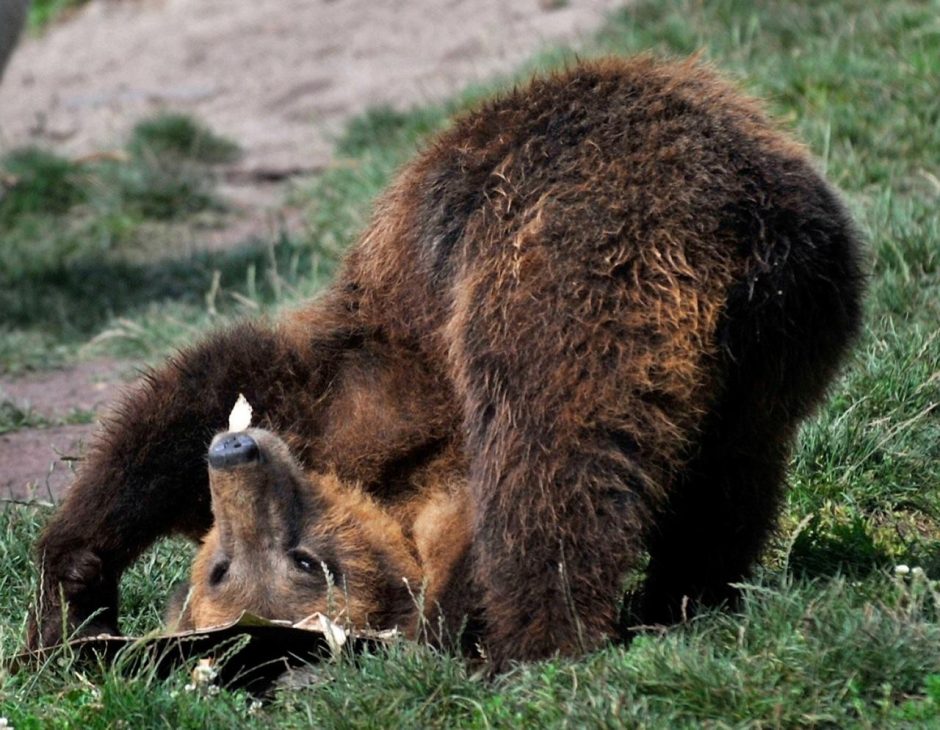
pixel 828 635
pixel 41 184
pixel 13 417
pixel 181 136
pixel 44 12
pixel 90 243
pixel 832 653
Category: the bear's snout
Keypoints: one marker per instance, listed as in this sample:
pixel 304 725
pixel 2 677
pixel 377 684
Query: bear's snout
pixel 233 449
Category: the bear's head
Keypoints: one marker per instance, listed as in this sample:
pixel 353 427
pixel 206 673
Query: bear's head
pixel 286 543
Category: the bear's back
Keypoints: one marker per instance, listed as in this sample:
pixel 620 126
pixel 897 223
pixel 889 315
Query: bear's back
pixel 616 170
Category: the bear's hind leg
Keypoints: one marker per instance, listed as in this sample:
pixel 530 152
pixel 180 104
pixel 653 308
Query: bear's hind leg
pixel 717 520
pixel 784 332
pixel 569 445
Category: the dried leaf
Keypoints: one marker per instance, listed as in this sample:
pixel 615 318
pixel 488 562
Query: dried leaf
pixel 334 634
pixel 240 417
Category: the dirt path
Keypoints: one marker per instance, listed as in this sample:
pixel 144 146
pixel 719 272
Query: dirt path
pixel 37 462
pixel 56 394
pixel 278 76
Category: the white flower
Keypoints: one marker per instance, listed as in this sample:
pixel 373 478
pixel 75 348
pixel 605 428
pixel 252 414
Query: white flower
pixel 901 569
pixel 204 672
pixel 917 572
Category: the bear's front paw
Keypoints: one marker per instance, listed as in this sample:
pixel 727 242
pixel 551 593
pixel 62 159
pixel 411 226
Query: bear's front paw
pixel 80 572
pixel 75 599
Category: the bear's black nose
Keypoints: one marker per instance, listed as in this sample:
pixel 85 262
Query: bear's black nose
pixel 233 449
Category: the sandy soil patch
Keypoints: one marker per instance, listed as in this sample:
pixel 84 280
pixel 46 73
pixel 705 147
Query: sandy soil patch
pixel 278 76
pixel 37 463
pixel 55 394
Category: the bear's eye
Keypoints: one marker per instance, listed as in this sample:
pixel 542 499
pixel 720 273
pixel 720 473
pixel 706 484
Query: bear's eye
pixel 218 573
pixel 305 561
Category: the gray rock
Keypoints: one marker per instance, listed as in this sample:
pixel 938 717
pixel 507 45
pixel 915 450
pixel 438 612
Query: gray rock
pixel 12 17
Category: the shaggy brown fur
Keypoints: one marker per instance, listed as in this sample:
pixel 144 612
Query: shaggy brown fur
pixel 617 290
pixel 285 544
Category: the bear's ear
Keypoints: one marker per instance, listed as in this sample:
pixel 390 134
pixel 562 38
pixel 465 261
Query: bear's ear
pixel 178 616
pixel 331 492
pixel 334 501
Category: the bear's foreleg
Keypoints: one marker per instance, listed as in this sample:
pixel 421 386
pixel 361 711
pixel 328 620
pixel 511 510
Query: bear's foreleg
pixel 569 449
pixel 145 474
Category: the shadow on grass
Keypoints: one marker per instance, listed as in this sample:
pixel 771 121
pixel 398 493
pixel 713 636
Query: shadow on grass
pixel 842 549
pixel 857 547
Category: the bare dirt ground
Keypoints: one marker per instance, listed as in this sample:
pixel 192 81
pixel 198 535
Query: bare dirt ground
pixel 37 462
pixel 278 76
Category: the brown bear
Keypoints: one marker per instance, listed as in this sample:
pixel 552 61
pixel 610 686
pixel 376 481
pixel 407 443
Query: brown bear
pixel 286 543
pixel 616 290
